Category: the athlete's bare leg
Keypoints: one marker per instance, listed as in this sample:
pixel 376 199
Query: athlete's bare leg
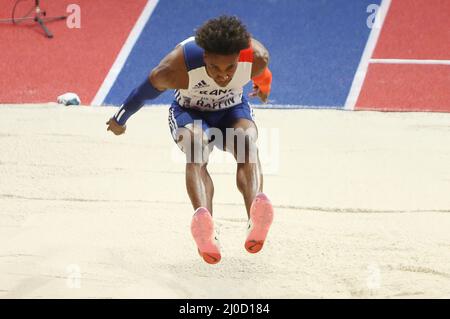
pixel 199 184
pixel 249 177
pixel 250 183
pixel 194 142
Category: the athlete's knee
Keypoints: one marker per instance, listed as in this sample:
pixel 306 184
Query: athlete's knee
pixel 242 143
pixel 194 143
pixel 187 138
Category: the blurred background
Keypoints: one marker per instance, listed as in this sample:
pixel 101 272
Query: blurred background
pixel 349 54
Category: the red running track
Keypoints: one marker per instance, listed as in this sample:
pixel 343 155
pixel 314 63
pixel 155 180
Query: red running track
pixel 419 30
pixel 404 87
pixel 35 69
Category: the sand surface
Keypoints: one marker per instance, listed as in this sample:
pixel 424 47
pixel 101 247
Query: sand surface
pixel 362 207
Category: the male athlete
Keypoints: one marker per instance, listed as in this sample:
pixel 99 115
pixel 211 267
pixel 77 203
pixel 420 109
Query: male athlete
pixel 208 73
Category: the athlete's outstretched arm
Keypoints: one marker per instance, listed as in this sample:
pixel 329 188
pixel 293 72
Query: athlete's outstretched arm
pixel 171 73
pixel 261 75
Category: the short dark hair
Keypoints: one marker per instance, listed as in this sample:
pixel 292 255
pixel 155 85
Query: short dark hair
pixel 224 35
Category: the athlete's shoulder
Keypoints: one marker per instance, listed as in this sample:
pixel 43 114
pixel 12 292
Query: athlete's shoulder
pixel 171 72
pixel 193 54
pixel 260 57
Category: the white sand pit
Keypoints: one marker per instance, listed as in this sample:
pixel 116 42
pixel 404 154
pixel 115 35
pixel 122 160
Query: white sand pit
pixel 362 208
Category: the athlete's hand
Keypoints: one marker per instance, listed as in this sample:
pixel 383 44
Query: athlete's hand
pixel 257 92
pixel 114 127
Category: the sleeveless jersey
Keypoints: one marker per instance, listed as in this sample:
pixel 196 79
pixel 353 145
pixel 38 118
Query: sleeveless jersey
pixel 204 93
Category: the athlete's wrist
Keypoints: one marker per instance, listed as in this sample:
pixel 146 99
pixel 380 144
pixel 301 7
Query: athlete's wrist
pixel 136 99
pixel 263 81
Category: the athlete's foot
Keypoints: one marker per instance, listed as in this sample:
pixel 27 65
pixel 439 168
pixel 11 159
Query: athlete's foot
pixel 261 217
pixel 202 229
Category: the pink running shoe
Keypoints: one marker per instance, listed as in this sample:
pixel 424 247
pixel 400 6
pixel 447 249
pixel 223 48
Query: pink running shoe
pixel 202 229
pixel 261 217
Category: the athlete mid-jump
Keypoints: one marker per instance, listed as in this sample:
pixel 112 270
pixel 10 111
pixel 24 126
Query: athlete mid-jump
pixel 208 73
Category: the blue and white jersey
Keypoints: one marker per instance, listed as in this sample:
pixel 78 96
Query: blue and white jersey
pixel 204 93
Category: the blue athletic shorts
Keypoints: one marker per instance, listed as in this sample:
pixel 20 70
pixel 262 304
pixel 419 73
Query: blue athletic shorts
pixel 222 119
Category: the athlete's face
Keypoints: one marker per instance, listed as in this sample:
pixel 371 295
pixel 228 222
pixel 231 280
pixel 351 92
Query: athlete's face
pixel 221 67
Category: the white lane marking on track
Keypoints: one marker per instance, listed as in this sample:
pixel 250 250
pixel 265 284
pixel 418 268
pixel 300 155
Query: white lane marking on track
pixel 361 72
pixel 410 61
pixel 124 53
